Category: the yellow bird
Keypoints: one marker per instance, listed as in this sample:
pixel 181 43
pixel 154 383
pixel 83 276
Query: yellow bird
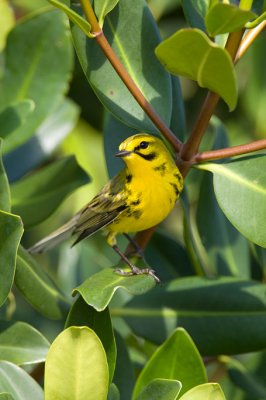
pixel 139 197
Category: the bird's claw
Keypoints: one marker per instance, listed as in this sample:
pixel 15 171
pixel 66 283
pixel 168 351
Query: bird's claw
pixel 138 271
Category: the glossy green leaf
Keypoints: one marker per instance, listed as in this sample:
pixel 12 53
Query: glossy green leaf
pixel 169 258
pixel 158 389
pixel 195 12
pixel 14 115
pixel 178 119
pixel 82 23
pixel 15 381
pixel 240 189
pixel 113 393
pixel 45 141
pixel 4 186
pixel 81 314
pixel 257 21
pixel 223 18
pixel 37 288
pixel 7 21
pixel 251 383
pixel 102 8
pixel 115 132
pixel 11 230
pixel 189 52
pixel 37 196
pixel 6 396
pixel 99 289
pixel 206 391
pixel 43 72
pixel 124 372
pixel 23 344
pixel 213 311
pixel 226 249
pixel 192 241
pixel 76 367
pixel 168 362
pixel 121 25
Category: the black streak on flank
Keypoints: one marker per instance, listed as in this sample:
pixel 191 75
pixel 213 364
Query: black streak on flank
pixel 161 168
pixel 135 214
pixel 148 157
pixel 175 188
pixel 136 202
pixel 178 176
pixel 129 178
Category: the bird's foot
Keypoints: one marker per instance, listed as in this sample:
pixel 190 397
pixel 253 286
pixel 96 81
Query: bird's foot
pixel 138 271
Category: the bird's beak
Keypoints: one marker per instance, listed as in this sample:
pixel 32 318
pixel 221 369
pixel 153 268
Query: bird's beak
pixel 123 153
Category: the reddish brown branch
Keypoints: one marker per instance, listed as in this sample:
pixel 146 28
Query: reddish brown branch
pixel 126 78
pixel 230 151
pixel 136 92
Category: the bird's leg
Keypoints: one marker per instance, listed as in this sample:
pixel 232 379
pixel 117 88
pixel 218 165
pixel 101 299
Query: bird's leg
pixel 134 270
pixel 136 246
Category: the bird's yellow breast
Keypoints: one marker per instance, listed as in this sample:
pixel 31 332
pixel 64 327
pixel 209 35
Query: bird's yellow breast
pixel 149 200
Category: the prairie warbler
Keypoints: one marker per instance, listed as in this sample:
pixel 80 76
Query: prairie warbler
pixel 139 197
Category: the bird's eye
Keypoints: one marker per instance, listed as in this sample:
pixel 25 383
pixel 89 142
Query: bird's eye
pixel 143 145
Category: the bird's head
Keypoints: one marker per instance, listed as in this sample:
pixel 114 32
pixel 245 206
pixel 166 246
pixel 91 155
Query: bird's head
pixel 142 152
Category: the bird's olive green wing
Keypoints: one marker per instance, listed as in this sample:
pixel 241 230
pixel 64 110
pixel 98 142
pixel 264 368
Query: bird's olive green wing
pixel 102 209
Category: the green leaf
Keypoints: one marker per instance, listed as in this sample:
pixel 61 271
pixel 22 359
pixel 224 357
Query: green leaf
pixel 189 52
pixel 6 396
pixel 195 12
pixel 122 24
pixel 166 389
pixel 14 115
pixel 29 46
pixel 178 119
pixel 115 132
pixel 80 22
pixel 99 289
pixel 11 230
pixel 168 362
pixel 240 189
pixel 257 21
pixel 113 393
pixel 124 372
pixel 4 186
pixel 81 314
pixel 38 289
pixel 37 196
pixel 45 141
pixel 102 8
pixel 76 367
pixel 7 21
pixel 16 382
pixel 206 391
pixel 213 311
pixel 223 18
pixel 226 249
pixel 245 380
pixel 23 344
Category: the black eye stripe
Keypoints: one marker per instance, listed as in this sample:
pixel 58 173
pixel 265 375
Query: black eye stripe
pixel 148 157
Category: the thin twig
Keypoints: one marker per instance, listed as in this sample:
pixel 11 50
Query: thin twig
pixel 230 151
pixel 126 78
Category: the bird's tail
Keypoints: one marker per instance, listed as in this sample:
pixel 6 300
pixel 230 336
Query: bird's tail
pixel 54 238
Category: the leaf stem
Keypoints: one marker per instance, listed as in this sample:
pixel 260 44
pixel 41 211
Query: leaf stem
pixel 248 39
pixel 126 78
pixel 231 151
